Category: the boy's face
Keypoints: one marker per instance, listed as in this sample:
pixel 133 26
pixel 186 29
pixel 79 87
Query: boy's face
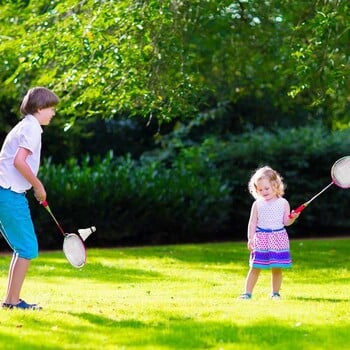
pixel 45 115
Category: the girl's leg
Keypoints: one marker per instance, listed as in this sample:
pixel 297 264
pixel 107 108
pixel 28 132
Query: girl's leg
pixel 251 280
pixel 276 280
pixel 17 273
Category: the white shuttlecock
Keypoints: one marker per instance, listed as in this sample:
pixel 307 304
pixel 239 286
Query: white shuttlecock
pixel 86 232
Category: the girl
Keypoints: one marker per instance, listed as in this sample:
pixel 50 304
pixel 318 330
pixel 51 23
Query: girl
pixel 19 164
pixel 267 238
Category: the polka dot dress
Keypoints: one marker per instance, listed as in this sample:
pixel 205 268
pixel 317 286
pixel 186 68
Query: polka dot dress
pixel 271 242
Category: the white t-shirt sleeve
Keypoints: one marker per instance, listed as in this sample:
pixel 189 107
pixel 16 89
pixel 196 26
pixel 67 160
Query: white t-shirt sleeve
pixel 26 134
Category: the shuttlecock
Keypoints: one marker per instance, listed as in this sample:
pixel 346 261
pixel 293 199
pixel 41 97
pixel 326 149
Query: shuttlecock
pixel 86 232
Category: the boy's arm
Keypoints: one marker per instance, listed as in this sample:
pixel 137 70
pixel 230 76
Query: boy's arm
pixel 22 166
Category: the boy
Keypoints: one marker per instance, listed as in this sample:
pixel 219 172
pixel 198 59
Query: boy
pixel 19 165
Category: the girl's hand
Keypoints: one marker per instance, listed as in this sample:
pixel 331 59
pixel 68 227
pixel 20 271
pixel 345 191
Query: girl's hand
pixel 250 244
pixel 294 215
pixel 291 218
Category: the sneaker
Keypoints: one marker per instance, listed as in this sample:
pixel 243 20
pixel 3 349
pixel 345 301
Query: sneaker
pixel 21 305
pixel 275 296
pixel 245 296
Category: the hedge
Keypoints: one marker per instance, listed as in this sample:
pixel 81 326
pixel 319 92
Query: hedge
pixel 196 193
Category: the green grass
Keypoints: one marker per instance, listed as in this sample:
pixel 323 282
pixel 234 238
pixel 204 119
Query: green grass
pixel 182 297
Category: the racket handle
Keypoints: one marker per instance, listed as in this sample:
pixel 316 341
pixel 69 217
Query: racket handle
pixel 44 204
pixel 297 210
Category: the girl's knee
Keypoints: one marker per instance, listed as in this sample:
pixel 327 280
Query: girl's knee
pixel 255 271
pixel 276 271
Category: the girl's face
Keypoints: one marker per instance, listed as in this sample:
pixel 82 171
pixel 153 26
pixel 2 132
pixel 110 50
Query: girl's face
pixel 265 190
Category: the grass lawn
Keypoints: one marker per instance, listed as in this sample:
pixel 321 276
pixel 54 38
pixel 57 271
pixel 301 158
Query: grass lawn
pixel 182 297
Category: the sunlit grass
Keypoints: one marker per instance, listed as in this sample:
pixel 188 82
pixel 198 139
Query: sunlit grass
pixel 182 297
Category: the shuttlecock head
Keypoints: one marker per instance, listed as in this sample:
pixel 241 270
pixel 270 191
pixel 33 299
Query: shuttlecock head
pixel 86 232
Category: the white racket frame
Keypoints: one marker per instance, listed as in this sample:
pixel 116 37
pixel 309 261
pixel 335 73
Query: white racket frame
pixel 341 163
pixel 82 251
pixel 78 260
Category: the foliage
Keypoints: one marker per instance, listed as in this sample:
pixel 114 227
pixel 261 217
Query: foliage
pixel 239 64
pixel 104 57
pixel 182 297
pixel 303 156
pixel 132 202
pixel 168 59
pixel 321 54
pixel 189 192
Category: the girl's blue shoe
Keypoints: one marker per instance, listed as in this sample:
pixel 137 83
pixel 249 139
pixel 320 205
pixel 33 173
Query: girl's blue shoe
pixel 245 296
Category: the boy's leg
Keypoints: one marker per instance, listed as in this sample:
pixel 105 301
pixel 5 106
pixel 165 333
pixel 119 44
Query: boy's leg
pixel 17 228
pixel 17 273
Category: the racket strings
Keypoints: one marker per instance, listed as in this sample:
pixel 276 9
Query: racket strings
pixel 341 172
pixel 74 250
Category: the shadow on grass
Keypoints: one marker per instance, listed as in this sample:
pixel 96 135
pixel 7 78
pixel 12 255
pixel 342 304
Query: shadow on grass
pixel 99 320
pixel 170 331
pixel 127 265
pixel 187 333
pixel 8 342
pixel 321 254
pixel 216 253
pixel 97 272
pixel 116 264
pixel 322 300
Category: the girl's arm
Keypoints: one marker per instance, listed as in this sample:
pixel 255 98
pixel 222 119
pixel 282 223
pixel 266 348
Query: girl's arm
pixel 253 219
pixel 22 166
pixel 287 221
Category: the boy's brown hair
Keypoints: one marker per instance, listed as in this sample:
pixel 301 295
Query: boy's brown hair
pixel 38 98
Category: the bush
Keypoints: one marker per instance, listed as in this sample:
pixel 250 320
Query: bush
pixel 304 157
pixel 135 202
pixel 194 192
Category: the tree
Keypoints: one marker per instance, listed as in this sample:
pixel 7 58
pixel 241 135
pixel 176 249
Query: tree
pixel 320 54
pixel 168 59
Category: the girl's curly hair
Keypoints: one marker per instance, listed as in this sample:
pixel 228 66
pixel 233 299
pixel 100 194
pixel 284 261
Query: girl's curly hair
pixel 269 174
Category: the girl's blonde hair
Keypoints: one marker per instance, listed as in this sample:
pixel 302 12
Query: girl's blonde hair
pixel 269 174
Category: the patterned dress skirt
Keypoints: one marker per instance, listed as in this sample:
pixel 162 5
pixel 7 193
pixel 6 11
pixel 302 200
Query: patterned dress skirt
pixel 271 249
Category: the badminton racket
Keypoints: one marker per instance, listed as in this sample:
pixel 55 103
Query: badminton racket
pixel 73 246
pixel 340 174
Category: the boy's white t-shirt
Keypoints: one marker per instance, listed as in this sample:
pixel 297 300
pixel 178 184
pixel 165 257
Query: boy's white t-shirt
pixel 26 134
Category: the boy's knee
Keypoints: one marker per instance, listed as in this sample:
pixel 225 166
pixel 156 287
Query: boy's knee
pixel 29 254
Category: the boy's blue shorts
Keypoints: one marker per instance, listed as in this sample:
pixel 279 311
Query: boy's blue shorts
pixel 16 224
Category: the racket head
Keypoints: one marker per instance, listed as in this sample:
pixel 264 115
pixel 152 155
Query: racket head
pixel 340 172
pixel 74 250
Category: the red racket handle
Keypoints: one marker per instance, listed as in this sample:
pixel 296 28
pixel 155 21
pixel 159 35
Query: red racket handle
pixel 298 210
pixel 44 204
